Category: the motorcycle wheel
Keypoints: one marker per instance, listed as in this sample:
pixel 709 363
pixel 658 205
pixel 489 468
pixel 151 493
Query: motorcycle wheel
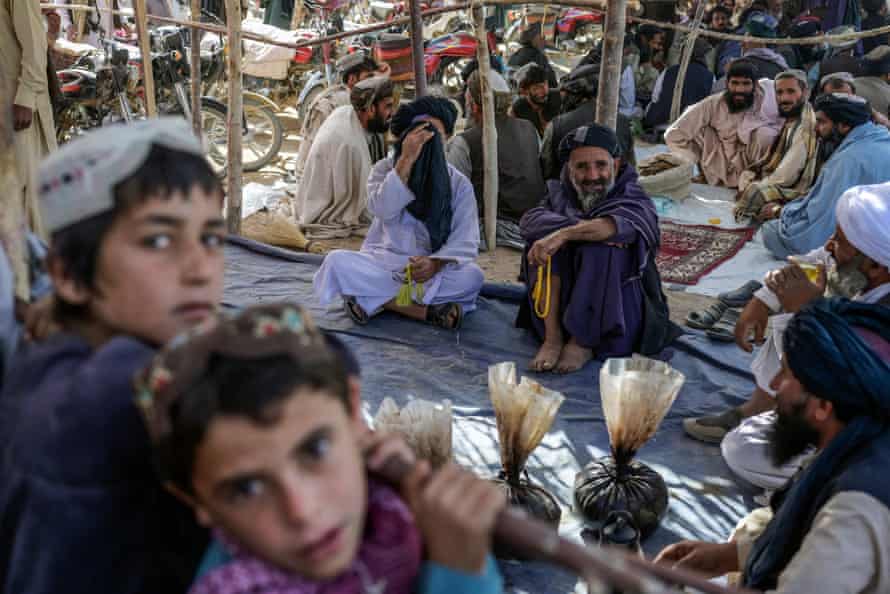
pixel 303 108
pixel 264 135
pixel 213 124
pixel 448 76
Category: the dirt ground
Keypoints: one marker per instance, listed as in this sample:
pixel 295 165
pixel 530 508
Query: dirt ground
pixel 500 266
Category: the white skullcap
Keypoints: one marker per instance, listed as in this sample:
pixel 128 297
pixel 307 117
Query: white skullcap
pixel 77 181
pixel 863 213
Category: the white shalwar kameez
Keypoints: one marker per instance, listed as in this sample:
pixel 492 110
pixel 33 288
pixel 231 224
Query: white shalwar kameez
pixel 374 275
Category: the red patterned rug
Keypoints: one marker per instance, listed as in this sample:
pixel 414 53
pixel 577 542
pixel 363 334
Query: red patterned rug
pixel 688 252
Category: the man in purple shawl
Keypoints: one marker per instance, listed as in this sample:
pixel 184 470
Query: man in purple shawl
pixel 600 233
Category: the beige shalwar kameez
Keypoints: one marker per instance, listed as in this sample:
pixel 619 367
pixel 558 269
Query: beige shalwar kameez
pixel 722 143
pixel 323 106
pixel 23 82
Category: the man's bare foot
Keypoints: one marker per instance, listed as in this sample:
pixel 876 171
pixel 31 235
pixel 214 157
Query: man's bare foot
pixel 547 356
pixel 573 357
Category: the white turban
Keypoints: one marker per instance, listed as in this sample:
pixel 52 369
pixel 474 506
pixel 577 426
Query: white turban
pixel 863 212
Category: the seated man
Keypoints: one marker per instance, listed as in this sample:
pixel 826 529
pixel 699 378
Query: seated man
pixel 332 197
pixel 875 85
pixel 425 232
pixel 842 54
pixel 520 183
pixel 580 89
pixel 826 531
pixel 857 264
pixel 728 132
pixel 788 170
pixel 696 86
pixel 861 157
pixel 537 102
pixel 597 234
pixel 352 69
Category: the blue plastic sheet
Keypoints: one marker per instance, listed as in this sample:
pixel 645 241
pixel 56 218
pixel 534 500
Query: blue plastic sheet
pixel 403 359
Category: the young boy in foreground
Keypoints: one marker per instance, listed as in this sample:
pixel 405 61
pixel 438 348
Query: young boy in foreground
pixel 136 257
pixel 254 426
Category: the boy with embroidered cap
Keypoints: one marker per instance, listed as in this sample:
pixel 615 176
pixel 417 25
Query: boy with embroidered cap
pixel 136 257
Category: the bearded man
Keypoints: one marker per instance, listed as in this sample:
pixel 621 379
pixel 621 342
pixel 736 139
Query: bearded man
pixel 596 236
pixel 861 157
pixel 788 170
pixel 332 198
pixel 425 234
pixel 828 529
pixel 856 264
pixel 537 102
pixel 728 132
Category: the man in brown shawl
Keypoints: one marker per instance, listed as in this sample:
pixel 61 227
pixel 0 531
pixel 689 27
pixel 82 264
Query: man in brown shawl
pixel 788 170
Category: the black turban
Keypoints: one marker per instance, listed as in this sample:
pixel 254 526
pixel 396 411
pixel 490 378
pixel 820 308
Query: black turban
pixel 742 68
pixel 529 34
pixel 429 180
pixel 845 109
pixel 582 81
pixel 530 74
pixel 592 135
pixel 827 352
pixel 434 107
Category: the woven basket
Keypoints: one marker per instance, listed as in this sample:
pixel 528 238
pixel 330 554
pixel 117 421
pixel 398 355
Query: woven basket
pixel 277 230
pixel 674 183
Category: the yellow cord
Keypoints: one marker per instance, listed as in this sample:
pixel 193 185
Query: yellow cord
pixel 403 299
pixel 539 291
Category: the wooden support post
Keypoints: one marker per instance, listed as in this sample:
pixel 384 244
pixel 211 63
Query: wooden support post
pixel 417 49
pixel 296 20
pixel 234 118
pixel 610 69
pixel 489 133
pixel 196 68
pixel 148 80
pixel 688 46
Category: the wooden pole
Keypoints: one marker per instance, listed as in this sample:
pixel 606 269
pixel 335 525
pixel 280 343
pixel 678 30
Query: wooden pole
pixel 688 46
pixel 610 69
pixel 196 68
pixel 145 49
pixel 417 49
pixel 234 117
pixel 296 20
pixel 489 133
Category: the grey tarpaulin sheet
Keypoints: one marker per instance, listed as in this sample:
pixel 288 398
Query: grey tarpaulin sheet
pixel 400 358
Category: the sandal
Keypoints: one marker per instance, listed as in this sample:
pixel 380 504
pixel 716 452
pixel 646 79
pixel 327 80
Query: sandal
pixel 741 296
pixel 445 315
pixel 355 311
pixel 724 329
pixel 705 319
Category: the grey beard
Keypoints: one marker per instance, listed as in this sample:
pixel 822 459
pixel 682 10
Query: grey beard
pixel 846 281
pixel 589 199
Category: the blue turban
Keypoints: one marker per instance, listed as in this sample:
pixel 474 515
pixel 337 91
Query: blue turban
pixel 761 24
pixel 827 353
pixel 429 181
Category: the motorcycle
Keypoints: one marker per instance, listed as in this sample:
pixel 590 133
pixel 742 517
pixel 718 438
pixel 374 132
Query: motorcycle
pixel 578 28
pixel 95 90
pixel 446 57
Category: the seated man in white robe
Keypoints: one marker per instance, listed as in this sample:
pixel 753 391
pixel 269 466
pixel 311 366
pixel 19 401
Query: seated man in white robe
pixel 332 199
pixel 418 259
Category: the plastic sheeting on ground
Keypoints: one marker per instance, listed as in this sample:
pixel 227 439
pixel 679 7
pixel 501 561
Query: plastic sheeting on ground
pixel 401 358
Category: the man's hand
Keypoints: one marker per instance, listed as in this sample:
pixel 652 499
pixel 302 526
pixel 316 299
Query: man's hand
pixel 455 511
pixel 384 69
pixel 411 147
pixel 424 268
pixel 770 211
pixel 379 447
pixel 753 320
pixel 545 248
pixel 793 288
pixel 710 559
pixel 21 117
pixel 38 319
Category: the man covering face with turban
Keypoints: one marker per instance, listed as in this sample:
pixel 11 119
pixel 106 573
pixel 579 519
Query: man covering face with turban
pixel 418 258
pixel 861 157
pixel 827 528
pixel 593 241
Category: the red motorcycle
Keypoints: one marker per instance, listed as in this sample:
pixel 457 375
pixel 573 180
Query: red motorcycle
pixel 445 58
pixel 577 25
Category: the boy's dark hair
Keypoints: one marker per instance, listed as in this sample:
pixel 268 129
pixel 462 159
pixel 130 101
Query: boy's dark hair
pixel 530 74
pixel 251 388
pixel 717 10
pixel 165 172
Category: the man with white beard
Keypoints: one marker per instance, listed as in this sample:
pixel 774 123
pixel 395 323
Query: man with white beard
pixel 856 264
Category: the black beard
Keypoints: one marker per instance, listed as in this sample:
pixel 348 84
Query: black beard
pixel 793 112
pixel 378 125
pixel 735 108
pixel 790 436
pixel 538 102
pixel 828 145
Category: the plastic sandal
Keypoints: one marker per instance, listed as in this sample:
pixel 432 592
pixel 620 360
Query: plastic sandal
pixel 705 319
pixel 741 296
pixel 724 329
pixel 446 315
pixel 355 311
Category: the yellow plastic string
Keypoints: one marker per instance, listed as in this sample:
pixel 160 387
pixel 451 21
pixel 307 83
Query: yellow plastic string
pixel 403 299
pixel 540 291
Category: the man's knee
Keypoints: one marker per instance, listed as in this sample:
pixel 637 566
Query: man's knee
pixel 471 276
